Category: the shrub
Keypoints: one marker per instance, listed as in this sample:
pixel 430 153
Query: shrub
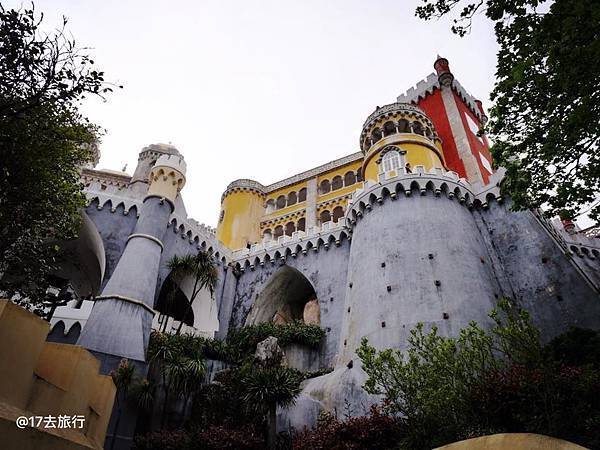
pixel 213 438
pixel 375 431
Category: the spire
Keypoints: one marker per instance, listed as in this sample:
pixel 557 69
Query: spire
pixel 442 69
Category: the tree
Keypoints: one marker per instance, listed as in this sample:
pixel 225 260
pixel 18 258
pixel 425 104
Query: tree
pixel 201 267
pixel 44 140
pixel 269 388
pixel 545 122
pixel 430 383
pixel 123 377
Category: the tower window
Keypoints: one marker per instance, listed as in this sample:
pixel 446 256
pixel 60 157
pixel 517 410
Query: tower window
pixel 391 161
pixel 222 216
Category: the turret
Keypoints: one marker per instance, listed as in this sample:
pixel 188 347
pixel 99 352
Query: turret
pixel 398 137
pixel 242 206
pixel 442 68
pixel 148 157
pixel 119 324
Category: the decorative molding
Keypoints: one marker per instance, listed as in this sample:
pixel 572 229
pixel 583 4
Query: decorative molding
pixel 147 236
pixel 123 298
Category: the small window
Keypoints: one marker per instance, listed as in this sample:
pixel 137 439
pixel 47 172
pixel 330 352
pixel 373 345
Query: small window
pixel 302 195
pixel 278 231
pixel 281 202
pixel 391 161
pixel 292 199
pixel 349 179
pixel 338 212
pixel 324 187
pixel 290 227
pixel 222 216
pixel 337 183
pixel 325 216
pixel 302 224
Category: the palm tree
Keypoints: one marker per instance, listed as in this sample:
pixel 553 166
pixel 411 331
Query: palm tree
pixel 267 389
pixel 162 352
pixel 203 270
pixel 122 377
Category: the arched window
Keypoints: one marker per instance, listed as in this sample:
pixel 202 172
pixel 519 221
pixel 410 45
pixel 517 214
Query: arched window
pixel 292 198
pixel 376 135
pixel 270 206
pixel 429 133
pixel 349 179
pixel 337 183
pixel 324 187
pixel 325 216
pixel 338 212
pixel 267 235
pixel 281 202
pixel 389 128
pixel 391 161
pixel 290 227
pixel 403 126
pixel 417 128
pixel 301 225
pixel 302 195
pixel 359 176
pixel 278 231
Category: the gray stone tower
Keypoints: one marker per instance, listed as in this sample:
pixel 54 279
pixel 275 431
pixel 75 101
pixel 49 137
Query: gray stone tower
pixel 120 322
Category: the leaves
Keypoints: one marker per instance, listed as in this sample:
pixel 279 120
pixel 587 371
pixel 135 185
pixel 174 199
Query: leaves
pixel 545 122
pixel 44 141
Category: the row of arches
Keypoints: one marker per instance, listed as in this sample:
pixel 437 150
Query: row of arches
pixel 392 127
pixel 338 182
pixel 284 201
pixel 289 228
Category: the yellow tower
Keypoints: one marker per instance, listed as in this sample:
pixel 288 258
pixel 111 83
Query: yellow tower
pixel 242 206
pixel 397 138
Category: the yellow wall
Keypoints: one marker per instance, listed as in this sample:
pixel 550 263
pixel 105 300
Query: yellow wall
pixel 240 225
pixel 513 441
pixel 42 378
pixel 417 154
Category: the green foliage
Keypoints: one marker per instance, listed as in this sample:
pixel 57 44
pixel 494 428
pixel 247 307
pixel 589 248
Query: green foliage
pixel 484 382
pixel 545 121
pixel 43 141
pixel 273 386
pixel 244 340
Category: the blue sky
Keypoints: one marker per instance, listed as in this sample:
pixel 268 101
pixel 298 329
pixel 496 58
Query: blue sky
pixel 257 89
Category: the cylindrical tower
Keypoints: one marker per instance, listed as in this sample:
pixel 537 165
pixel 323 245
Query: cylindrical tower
pixel 416 256
pixel 397 138
pixel 148 158
pixel 119 324
pixel 242 206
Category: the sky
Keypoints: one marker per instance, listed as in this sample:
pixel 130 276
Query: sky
pixel 257 89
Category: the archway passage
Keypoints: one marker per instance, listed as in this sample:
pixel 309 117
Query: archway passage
pixel 286 297
pixel 172 302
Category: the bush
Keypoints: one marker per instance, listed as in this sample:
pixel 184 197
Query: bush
pixel 212 438
pixel 375 431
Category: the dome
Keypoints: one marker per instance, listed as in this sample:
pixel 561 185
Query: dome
pixel 167 149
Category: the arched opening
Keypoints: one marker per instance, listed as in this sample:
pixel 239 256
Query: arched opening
pixel 302 195
pixel 270 206
pixel 417 128
pixel 267 234
pixel 403 126
pixel 359 176
pixel 337 183
pixel 173 303
pixel 278 231
pixel 349 179
pixel 292 198
pixel 302 224
pixel 376 135
pixel 338 213
pixel 82 261
pixel 281 201
pixel 290 227
pixel 325 216
pixel 324 187
pixel 288 296
pixel 389 128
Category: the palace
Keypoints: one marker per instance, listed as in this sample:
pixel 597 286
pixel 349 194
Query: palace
pixel 410 228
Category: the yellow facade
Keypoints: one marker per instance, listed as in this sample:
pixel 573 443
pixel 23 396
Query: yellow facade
pixel 513 441
pixel 241 214
pixel 419 152
pixel 41 378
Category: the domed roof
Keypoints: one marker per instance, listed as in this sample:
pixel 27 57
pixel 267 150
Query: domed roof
pixel 167 149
